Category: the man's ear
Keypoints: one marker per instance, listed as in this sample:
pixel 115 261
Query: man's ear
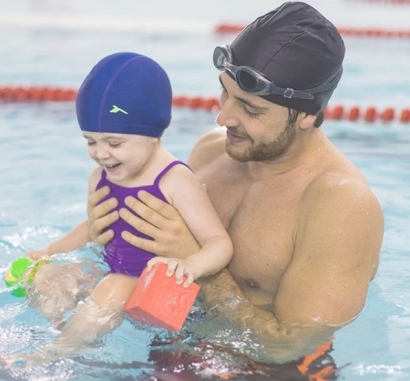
pixel 307 121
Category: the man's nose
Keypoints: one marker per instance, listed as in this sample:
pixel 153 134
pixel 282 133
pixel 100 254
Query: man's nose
pixel 227 115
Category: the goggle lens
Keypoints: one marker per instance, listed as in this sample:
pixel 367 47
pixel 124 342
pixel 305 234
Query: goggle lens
pixel 247 81
pixel 220 58
pixel 246 78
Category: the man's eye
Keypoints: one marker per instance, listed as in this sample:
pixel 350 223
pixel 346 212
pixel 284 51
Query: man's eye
pixel 251 114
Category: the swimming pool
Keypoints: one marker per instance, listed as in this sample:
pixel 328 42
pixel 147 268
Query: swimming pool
pixel 44 165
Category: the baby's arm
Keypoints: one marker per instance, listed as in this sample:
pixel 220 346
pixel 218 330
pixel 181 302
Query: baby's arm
pixel 189 197
pixel 76 238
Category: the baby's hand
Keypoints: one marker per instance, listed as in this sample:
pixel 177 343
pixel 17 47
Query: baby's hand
pixel 176 266
pixel 37 254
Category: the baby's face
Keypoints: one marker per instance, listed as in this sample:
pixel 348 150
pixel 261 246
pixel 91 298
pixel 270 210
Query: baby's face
pixel 122 156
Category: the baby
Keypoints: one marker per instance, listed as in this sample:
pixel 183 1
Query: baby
pixel 123 107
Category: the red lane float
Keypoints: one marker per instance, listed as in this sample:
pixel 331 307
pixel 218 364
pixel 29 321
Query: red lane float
pixel 351 32
pixel 338 112
pixel 369 114
pixel 211 104
pixel 374 32
pixel 36 94
pixel 399 2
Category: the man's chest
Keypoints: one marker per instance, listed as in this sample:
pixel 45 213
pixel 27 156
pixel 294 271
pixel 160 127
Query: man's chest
pixel 261 221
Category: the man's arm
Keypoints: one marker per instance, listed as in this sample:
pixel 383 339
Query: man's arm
pixel 336 255
pixel 280 343
pixel 325 286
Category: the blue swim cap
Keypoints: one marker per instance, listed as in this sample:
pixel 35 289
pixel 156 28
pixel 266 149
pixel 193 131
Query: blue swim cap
pixel 125 93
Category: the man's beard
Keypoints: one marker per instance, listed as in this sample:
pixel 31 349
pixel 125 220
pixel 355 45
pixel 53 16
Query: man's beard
pixel 265 150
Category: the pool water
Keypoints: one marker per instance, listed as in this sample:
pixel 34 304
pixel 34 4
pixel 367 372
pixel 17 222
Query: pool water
pixel 44 164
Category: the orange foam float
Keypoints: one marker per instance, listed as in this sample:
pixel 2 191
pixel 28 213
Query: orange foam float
pixel 159 301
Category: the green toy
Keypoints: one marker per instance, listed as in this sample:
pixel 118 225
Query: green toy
pixel 15 276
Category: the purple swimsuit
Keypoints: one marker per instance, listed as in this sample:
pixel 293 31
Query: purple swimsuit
pixel 120 255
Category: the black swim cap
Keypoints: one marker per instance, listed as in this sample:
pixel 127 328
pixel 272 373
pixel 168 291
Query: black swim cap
pixel 295 47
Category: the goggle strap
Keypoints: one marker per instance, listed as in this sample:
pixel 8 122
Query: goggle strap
pixel 288 92
pixel 327 84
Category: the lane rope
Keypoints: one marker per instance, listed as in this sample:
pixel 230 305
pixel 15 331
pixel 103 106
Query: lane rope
pixel 395 2
pixel 350 32
pixel 20 94
pixel 36 94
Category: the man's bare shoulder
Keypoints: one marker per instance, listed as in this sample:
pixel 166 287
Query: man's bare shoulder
pixel 340 182
pixel 208 148
pixel 342 190
pixel 341 209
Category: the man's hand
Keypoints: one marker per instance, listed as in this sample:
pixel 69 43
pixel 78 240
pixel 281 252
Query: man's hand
pixel 101 216
pixel 161 221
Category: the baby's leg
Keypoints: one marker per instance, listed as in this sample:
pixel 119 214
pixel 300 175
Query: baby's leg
pixel 98 314
pixel 57 288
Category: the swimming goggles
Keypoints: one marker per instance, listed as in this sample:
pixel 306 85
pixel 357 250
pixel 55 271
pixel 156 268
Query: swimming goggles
pixel 252 81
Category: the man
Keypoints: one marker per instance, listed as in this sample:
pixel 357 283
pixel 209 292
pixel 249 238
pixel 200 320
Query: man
pixel 306 228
